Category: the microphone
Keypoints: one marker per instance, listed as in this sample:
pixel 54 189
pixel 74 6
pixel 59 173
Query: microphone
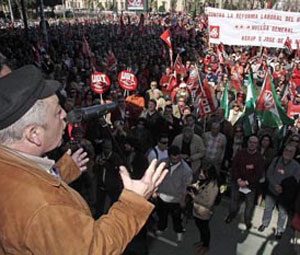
pixel 85 113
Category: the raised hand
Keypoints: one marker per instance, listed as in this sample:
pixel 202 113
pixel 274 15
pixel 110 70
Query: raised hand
pixel 149 183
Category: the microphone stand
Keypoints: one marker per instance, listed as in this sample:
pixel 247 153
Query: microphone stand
pixel 106 128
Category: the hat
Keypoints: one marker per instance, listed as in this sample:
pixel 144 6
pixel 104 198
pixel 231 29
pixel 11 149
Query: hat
pixel 20 89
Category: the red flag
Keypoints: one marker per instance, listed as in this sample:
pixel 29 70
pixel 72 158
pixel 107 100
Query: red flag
pixel 165 36
pixel 179 67
pixel 85 47
pixel 288 45
pixel 207 103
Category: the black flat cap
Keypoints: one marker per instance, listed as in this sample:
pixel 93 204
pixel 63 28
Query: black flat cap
pixel 19 91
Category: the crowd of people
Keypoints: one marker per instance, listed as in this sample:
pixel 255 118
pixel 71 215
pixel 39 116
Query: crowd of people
pixel 160 118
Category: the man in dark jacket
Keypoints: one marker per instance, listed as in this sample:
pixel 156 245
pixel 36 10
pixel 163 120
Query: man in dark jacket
pixel 247 169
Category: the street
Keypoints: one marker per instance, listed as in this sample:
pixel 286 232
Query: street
pixel 226 239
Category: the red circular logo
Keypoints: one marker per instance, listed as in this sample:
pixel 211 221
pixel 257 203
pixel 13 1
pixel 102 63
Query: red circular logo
pixel 127 80
pixel 268 100
pixel 99 82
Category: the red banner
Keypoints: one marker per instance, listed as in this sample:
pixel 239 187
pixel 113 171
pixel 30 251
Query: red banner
pixel 99 82
pixel 207 103
pixel 127 80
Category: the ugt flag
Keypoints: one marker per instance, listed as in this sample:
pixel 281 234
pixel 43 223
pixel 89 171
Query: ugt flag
pixel 268 107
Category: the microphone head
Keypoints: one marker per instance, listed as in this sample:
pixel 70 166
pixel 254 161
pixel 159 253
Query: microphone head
pixel 94 111
pixel 74 116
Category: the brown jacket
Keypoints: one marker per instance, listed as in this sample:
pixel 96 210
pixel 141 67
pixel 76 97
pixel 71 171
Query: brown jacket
pixel 41 214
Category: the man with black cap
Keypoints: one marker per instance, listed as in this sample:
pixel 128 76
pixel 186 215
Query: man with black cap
pixel 39 212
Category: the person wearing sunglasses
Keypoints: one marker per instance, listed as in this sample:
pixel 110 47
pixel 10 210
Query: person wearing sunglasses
pixel 160 151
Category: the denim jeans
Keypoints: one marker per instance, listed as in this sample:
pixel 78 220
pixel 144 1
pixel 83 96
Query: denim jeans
pixel 282 216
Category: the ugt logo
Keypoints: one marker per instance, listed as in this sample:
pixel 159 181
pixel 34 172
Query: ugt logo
pixel 268 100
pixel 214 32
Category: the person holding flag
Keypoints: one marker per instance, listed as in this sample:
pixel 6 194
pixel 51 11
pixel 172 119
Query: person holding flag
pixel 167 81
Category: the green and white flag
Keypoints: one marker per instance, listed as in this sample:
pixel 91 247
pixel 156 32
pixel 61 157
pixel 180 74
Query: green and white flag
pixel 248 117
pixel 224 101
pixel 268 107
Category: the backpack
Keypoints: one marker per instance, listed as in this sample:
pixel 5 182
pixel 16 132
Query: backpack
pixel 152 149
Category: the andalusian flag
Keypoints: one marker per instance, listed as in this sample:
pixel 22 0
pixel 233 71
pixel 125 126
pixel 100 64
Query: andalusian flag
pixel 249 111
pixel 224 101
pixel 269 108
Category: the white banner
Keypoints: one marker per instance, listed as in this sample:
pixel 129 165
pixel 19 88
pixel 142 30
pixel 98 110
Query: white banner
pixel 268 28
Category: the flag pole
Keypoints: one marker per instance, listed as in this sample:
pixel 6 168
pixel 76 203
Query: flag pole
pixel 171 57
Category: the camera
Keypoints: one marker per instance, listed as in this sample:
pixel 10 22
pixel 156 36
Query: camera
pixel 192 189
